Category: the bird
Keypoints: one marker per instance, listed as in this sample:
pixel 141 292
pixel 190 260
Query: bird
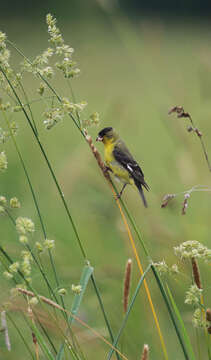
pixel 121 163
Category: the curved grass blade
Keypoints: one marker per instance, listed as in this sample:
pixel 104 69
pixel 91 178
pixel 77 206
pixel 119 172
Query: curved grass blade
pixel 85 276
pixel 128 312
pixel 182 325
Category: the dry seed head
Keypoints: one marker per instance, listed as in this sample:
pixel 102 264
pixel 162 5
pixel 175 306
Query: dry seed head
pixel 179 110
pixel 166 199
pixel 127 282
pixel 196 273
pixel 97 155
pixel 145 353
pixel 208 315
pixel 185 203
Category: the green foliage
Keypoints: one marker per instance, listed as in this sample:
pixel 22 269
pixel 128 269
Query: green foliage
pixel 53 175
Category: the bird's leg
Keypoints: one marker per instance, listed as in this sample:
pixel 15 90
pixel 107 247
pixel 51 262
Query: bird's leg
pixel 108 169
pixel 120 194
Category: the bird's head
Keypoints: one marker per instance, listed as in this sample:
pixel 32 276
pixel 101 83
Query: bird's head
pixel 107 135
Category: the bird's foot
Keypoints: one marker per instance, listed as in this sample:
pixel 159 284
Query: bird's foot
pixel 118 196
pixel 107 168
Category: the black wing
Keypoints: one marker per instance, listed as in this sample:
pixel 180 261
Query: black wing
pixel 124 158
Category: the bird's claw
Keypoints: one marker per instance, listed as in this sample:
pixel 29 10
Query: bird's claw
pixel 107 168
pixel 118 196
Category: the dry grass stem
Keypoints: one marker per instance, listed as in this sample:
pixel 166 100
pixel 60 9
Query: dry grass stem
pixel 196 273
pixel 55 305
pixel 97 156
pixel 127 281
pixel 145 353
pixel 166 199
pixel 179 110
pixel 185 203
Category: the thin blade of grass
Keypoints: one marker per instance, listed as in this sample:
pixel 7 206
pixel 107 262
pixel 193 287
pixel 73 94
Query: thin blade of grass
pixel 55 179
pixel 182 325
pixel 165 297
pixel 17 328
pixel 163 345
pixel 41 342
pixel 128 312
pixel 85 276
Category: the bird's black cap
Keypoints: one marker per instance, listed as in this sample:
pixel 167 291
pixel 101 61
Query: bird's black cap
pixel 104 131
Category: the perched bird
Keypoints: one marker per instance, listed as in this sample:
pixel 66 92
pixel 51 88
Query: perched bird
pixel 120 162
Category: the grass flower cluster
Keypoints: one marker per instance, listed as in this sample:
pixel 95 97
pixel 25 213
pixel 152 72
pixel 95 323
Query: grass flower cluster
pixel 31 265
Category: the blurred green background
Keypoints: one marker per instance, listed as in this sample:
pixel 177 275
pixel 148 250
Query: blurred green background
pixel 134 68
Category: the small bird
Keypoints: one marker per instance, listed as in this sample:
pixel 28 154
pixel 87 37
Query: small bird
pixel 120 162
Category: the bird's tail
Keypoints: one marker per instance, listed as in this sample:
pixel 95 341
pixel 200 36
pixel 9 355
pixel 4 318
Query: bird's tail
pixel 140 189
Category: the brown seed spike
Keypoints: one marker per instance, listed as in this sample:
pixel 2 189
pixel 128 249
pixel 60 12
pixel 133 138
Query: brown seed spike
pixel 127 282
pixel 208 315
pixel 145 353
pixel 196 273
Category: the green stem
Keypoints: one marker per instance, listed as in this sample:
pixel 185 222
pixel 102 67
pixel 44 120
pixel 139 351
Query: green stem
pixel 28 105
pixel 128 311
pixel 103 312
pixel 17 328
pixel 165 297
pixel 35 202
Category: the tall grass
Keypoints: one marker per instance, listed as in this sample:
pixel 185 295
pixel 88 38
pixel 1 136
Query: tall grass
pixel 37 258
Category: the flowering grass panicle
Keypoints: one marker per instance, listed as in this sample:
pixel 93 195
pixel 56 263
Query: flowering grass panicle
pixel 66 64
pixel 49 244
pixel 24 225
pixel 76 289
pixel 198 319
pixel 164 269
pixel 193 295
pixel 3 161
pixel 13 268
pixel 193 249
pixel 15 203
pixel 62 291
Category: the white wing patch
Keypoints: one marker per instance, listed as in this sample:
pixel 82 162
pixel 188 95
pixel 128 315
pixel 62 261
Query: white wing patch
pixel 129 168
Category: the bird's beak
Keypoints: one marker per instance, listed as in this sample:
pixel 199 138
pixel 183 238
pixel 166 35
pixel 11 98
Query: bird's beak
pixel 99 138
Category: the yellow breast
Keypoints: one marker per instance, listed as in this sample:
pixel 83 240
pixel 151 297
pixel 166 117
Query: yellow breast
pixel 116 168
